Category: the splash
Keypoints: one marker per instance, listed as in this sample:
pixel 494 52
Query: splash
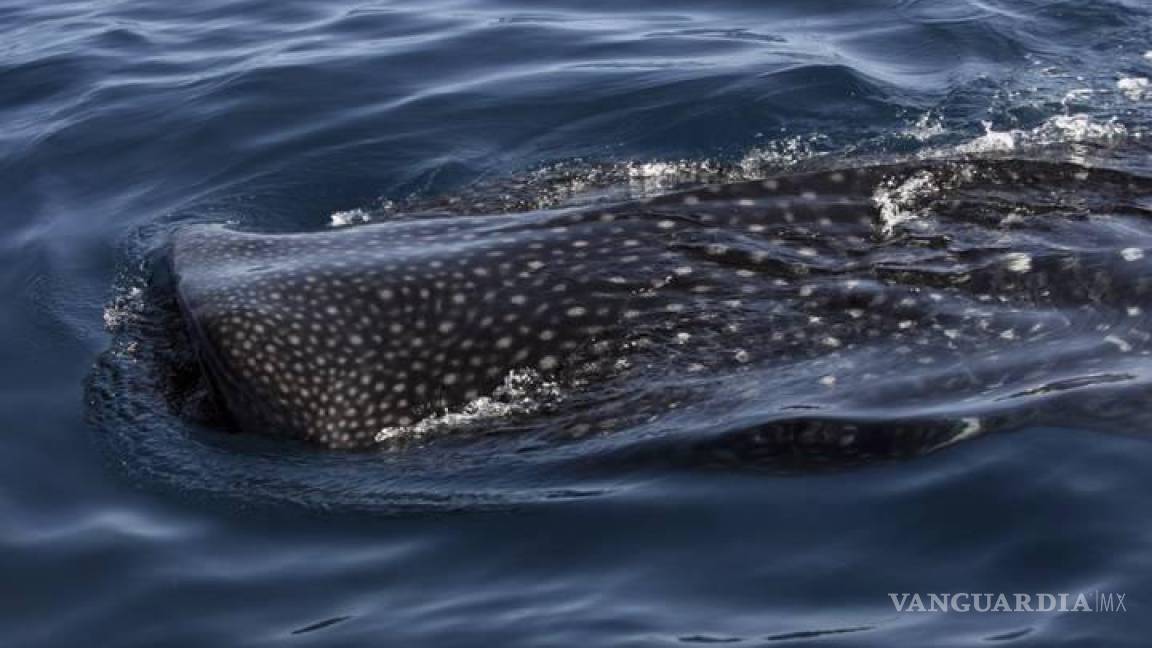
pixel 991 141
pixel 350 217
pixel 927 127
pixel 781 154
pixel 895 199
pixel 524 391
pixel 123 309
pixel 125 312
pixel 1077 95
pixel 1135 88
pixel 654 178
pixel 1077 128
pixel 1059 129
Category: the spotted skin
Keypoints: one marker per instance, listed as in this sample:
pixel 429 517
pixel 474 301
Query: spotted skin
pixel 336 335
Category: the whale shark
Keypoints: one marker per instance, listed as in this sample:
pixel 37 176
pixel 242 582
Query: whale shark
pixel 931 283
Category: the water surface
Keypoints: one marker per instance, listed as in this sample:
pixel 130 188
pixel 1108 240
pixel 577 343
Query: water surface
pixel 125 118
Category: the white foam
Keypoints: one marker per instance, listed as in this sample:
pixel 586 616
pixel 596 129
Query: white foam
pixel 523 392
pixel 653 178
pixel 895 200
pixel 1135 88
pixel 779 154
pixel 1078 128
pixel 1077 94
pixel 650 170
pixel 927 127
pixel 1058 129
pixel 125 308
pixel 991 141
pixel 658 176
pixel 350 217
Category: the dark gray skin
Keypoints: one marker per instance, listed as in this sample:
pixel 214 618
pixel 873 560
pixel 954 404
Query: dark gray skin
pixel 333 336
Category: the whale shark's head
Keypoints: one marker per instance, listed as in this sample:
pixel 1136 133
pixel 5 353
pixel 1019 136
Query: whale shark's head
pixel 335 336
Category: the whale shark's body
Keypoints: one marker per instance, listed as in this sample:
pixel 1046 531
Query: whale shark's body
pixel 333 336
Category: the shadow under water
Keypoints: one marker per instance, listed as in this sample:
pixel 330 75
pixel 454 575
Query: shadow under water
pixel 817 320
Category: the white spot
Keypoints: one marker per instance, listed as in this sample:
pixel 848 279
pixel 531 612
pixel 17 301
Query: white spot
pixel 1119 342
pixel 1018 262
pixel 1132 254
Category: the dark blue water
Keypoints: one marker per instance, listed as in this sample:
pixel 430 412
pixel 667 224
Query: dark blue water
pixel 121 117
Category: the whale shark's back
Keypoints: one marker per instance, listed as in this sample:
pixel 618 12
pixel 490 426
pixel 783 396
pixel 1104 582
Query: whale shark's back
pixel 804 309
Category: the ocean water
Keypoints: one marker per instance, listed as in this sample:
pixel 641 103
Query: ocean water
pixel 126 521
